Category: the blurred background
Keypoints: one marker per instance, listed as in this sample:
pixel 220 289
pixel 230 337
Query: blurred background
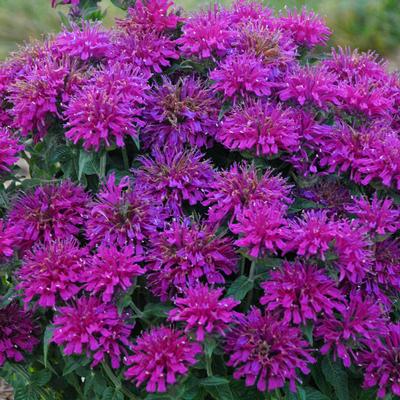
pixel 365 24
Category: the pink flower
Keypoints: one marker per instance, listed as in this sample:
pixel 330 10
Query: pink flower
pixel 262 228
pixel 245 11
pixel 9 149
pixel 159 356
pixel 267 351
pixel 203 311
pixel 357 325
pixel 111 269
pixel 51 272
pixel 301 292
pixel 8 239
pixel 92 328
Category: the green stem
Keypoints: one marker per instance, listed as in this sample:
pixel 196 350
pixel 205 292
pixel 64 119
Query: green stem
pixel 125 158
pixel 136 309
pixel 103 163
pixel 208 366
pixel 116 381
pixel 252 273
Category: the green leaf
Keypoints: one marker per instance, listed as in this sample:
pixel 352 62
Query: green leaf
pixel 240 287
pixel 48 334
pixel 308 331
pixel 156 310
pixel 73 363
pixel 89 164
pixel 314 394
pixel 123 4
pixel 41 378
pixel 337 377
pixel 220 392
pixel 209 346
pixel 213 381
pixel 112 394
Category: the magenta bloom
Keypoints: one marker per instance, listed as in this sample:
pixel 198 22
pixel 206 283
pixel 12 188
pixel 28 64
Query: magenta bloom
pixel 236 188
pixel 159 356
pixel 92 328
pixel 268 351
pixel 157 15
pixel 111 269
pixel 18 333
pixel 150 51
pixel 173 177
pixel 262 228
pixel 264 127
pixel 246 11
pixel 185 112
pixel 203 311
pixel 379 216
pixel 311 85
pixel 105 110
pixel 121 215
pixel 51 272
pixel 88 42
pixel 311 234
pixel 49 213
pixel 8 239
pixel 306 28
pixel 206 34
pixel 301 292
pixel 358 324
pixel 9 149
pixel 381 363
pixel 352 248
pixel 186 253
pixel 242 75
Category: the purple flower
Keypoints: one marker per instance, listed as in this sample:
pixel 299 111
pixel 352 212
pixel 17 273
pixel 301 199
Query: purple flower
pixel 203 311
pixel 245 11
pixel 185 112
pixel 242 75
pixel 105 111
pixel 306 28
pixel 174 176
pixel 311 85
pixel 262 228
pixel 357 325
pixel 159 356
pixel 150 51
pixel 186 253
pixel 111 269
pixel 381 363
pixel 9 149
pixel 379 216
pixel 236 188
pixel 352 248
pixel 154 15
pixel 52 271
pixel 8 239
pixel 92 328
pixel 122 215
pixel 206 34
pixel 18 333
pixel 311 234
pixel 50 212
pixel 266 128
pixel 268 351
pixel 301 292
pixel 87 43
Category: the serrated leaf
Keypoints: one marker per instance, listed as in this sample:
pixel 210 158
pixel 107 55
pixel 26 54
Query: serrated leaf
pixel 156 310
pixel 337 377
pixel 220 392
pixel 41 378
pixel 314 394
pixel 213 381
pixel 73 363
pixel 240 287
pixel 112 394
pixel 89 164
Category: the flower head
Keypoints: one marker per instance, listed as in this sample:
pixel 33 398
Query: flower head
pixel 122 215
pixel 159 356
pixel 51 272
pixel 9 149
pixel 264 127
pixel 186 253
pixel 111 269
pixel 203 311
pixel 268 351
pixel 358 324
pixel 105 111
pixel 262 228
pixel 92 328
pixel 173 176
pixel 234 189
pixel 180 113
pixel 301 292
pixel 8 239
pixel 18 333
pixel 245 11
pixel 49 213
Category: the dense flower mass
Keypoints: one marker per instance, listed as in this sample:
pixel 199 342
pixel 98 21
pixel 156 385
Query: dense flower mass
pixel 192 198
pixel 203 311
pixel 161 355
pixel 92 328
pixel 301 292
pixel 18 333
pixel 267 352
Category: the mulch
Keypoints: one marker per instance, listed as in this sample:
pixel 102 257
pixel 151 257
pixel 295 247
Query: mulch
pixel 5 391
